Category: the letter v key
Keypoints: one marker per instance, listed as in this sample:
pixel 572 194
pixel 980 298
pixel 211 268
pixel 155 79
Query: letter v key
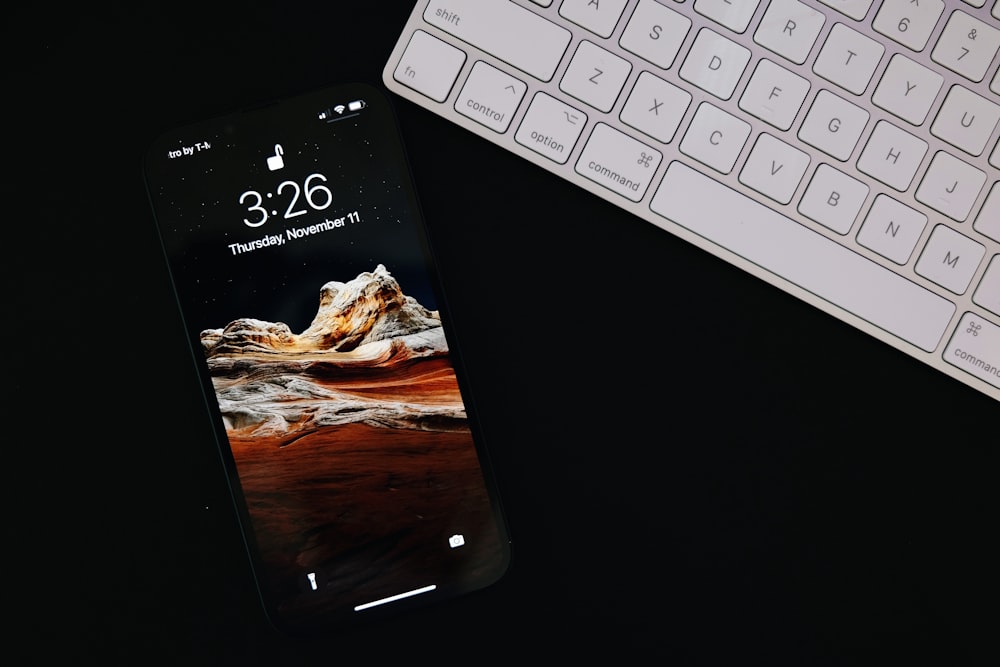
pixel 774 168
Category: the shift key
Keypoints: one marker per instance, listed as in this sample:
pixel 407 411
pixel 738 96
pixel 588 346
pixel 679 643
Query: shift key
pixel 507 31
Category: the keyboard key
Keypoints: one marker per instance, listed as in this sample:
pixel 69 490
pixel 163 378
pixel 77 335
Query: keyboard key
pixel 907 22
pixel 833 199
pixel 907 89
pixel 833 125
pixel 618 162
pixel 715 138
pixel 966 120
pixel 429 66
pixel 856 9
pixel 892 229
pixel 975 348
pixel 595 76
pixel 774 94
pixel 892 156
pixel 655 107
pixel 848 59
pixel 803 257
pixel 950 259
pixel 733 15
pixel 599 18
pixel 988 293
pixel 490 97
pixel 655 32
pixel 789 28
pixel 967 46
pixel 550 127
pixel 715 64
pixel 512 33
pixel 988 221
pixel 950 186
pixel 774 168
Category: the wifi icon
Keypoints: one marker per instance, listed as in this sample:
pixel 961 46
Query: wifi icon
pixel 339 108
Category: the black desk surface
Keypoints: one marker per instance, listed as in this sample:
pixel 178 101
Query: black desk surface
pixel 697 469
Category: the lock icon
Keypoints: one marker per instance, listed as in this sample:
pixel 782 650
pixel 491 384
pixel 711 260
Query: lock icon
pixel 276 162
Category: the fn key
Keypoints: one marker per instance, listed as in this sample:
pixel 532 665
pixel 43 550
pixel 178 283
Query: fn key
pixel 429 66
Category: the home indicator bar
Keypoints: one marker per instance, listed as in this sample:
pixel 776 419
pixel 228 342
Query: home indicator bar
pixel 394 598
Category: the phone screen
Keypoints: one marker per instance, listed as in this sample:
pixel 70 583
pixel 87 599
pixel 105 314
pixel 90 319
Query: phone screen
pixel 317 323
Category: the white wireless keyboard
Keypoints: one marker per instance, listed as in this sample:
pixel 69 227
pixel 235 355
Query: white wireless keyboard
pixel 845 151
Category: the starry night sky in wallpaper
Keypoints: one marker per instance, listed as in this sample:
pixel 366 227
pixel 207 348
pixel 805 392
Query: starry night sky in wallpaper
pixel 201 217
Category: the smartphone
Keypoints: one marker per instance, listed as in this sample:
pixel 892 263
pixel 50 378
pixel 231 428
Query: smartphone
pixel 317 322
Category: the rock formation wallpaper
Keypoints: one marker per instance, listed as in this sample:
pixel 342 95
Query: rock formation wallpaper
pixel 353 447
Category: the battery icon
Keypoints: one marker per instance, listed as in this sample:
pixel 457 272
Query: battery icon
pixel 356 105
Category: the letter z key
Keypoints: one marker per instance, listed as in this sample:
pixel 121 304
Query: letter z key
pixel 595 76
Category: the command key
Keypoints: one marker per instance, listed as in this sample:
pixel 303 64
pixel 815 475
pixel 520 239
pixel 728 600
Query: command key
pixel 975 348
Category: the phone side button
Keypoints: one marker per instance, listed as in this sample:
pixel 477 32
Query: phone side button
pixel 429 66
